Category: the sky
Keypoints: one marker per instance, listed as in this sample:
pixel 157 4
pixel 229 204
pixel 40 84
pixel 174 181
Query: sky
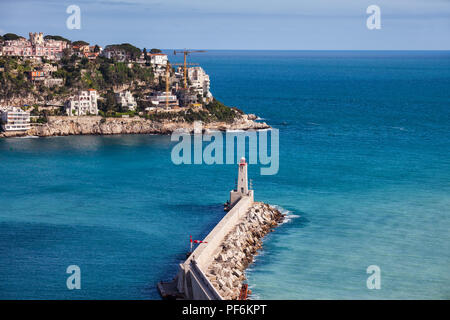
pixel 238 24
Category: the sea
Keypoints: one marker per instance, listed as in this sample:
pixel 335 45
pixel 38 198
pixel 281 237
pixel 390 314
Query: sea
pixel 364 181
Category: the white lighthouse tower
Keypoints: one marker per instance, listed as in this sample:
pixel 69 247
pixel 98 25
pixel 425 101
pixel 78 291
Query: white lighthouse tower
pixel 242 184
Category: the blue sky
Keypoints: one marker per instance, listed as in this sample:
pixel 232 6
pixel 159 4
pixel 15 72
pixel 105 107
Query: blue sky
pixel 239 24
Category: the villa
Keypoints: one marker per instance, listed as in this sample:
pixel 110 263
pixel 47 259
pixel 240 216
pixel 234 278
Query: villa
pixel 126 100
pixel 82 104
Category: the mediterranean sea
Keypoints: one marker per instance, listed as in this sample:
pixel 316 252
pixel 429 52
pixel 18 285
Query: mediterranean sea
pixel 364 178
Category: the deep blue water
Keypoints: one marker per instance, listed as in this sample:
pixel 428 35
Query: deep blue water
pixel 364 173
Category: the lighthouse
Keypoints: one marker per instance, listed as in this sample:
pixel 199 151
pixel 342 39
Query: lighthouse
pixel 242 184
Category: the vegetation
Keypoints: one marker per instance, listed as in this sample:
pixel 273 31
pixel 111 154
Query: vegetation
pixel 220 112
pixel 129 48
pixel 11 36
pixel 50 37
pixel 80 43
pixel 106 76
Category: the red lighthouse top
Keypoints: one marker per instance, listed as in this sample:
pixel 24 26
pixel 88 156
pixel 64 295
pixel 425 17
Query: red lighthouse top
pixel 242 163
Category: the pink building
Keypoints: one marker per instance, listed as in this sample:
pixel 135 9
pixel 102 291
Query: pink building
pixel 36 46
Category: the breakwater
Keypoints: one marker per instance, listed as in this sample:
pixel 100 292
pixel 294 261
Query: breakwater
pixel 227 270
pixel 215 269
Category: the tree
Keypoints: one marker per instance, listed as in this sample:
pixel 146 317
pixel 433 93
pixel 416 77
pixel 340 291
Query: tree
pixel 132 51
pixel 145 54
pixel 80 43
pixel 59 38
pixel 84 61
pixel 11 36
pixel 154 50
pixel 96 48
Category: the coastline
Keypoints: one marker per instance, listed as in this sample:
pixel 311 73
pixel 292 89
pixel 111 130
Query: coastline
pixel 97 125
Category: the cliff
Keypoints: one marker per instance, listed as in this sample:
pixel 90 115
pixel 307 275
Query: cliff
pixel 96 125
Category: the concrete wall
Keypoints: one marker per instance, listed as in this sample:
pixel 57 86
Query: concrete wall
pixel 191 278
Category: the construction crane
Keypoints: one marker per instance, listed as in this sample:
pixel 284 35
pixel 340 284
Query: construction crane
pixel 167 84
pixel 186 53
pixel 168 67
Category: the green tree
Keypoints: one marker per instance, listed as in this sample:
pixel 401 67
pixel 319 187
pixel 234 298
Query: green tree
pixel 11 36
pixel 59 38
pixel 80 43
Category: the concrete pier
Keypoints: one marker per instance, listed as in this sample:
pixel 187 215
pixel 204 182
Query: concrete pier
pixel 215 270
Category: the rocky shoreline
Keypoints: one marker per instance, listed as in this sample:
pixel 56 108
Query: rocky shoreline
pixel 96 125
pixel 227 271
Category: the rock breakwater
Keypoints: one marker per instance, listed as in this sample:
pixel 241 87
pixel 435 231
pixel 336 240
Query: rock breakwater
pixel 227 270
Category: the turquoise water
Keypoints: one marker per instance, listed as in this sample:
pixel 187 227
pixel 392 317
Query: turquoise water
pixel 364 174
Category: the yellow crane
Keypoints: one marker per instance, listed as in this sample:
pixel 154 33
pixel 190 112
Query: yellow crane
pixel 186 53
pixel 167 84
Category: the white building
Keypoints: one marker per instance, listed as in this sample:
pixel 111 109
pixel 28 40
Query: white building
pixel 118 54
pixel 14 119
pixel 82 104
pixel 126 100
pixel 159 100
pixel 158 59
pixel 199 81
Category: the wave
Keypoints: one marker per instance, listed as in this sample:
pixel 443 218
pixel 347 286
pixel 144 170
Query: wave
pixel 399 128
pixel 289 216
pixel 209 131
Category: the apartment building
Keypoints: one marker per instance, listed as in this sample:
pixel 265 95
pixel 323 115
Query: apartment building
pixel 14 119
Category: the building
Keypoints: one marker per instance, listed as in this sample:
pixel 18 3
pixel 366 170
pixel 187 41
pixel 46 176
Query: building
pixel 86 51
pixel 36 46
pixel 200 82
pixel 92 54
pixel 126 100
pixel 53 82
pixel 242 184
pixel 14 119
pixel 159 99
pixel 186 97
pixel 49 68
pixel 158 59
pixel 158 62
pixel 82 104
pixel 81 49
pixel 115 53
pixel 37 75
